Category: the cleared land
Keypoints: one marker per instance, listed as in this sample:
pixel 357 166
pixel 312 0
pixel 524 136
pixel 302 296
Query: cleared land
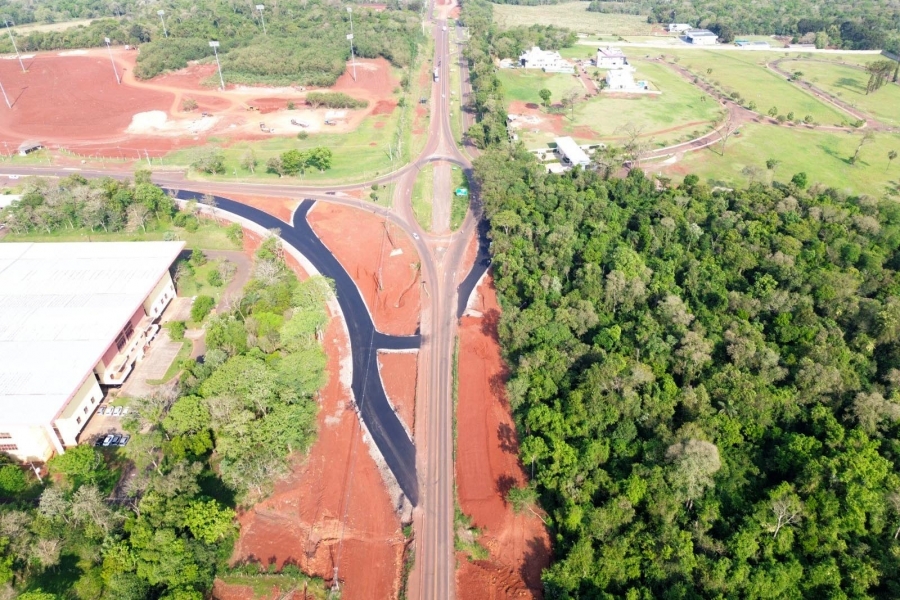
pixel 822 155
pixel 849 84
pixel 674 115
pixel 748 75
pixel 573 15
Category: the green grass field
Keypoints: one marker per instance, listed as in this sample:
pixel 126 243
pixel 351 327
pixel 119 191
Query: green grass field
pixel 822 155
pixel 849 84
pixel 573 15
pixel 423 196
pixel 746 73
pixel 667 118
pixel 459 204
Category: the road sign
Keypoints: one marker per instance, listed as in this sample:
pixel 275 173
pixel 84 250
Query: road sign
pixel 214 44
pixel 462 192
pixel 349 36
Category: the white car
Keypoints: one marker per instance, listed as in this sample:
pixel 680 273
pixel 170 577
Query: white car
pixel 117 411
pixel 415 236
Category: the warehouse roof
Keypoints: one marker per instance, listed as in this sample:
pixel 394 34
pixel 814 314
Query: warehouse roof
pixel 61 306
pixel 572 151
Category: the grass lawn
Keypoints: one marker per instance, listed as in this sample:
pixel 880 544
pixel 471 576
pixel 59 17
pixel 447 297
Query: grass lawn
pixel 423 196
pixel 456 114
pixel 209 236
pixel 849 84
pixel 573 15
pixel 822 155
pixel 673 116
pixel 459 204
pixel 746 73
pixel 265 585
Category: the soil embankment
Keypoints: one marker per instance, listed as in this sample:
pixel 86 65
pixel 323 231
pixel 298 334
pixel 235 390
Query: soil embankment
pixel 488 466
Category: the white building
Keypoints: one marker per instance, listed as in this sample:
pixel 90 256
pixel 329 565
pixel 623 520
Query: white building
pixel 571 153
pixel 678 27
pixel 547 60
pixel 73 317
pixel 620 79
pixel 610 58
pixel 701 37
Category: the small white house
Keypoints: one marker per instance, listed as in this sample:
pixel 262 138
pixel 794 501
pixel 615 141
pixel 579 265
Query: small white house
pixel 571 153
pixel 547 60
pixel 610 58
pixel 701 37
pixel 621 79
pixel 678 27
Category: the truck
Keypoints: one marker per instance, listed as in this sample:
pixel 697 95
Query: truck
pixel 437 76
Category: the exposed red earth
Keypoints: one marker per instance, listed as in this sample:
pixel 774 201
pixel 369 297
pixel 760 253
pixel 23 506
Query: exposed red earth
pixel 487 466
pixel 333 509
pixel 71 100
pixel 277 206
pixel 381 260
pixel 399 372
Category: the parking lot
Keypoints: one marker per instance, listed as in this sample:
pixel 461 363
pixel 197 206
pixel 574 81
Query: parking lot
pixel 102 425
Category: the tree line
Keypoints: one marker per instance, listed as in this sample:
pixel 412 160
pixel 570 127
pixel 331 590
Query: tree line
pixel 487 94
pixel 217 440
pixel 706 384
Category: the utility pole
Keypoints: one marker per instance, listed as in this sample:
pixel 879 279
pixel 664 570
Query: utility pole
pixel 350 37
pixel 163 21
pixel 215 46
pixel 5 97
pixel 13 40
pixel 112 60
pixel 260 8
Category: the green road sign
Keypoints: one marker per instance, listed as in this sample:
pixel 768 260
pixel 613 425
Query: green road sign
pixel 462 192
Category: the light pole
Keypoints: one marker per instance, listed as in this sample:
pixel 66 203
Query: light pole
pixel 215 46
pixel 163 21
pixel 260 8
pixel 350 37
pixel 112 60
pixel 12 39
pixel 5 97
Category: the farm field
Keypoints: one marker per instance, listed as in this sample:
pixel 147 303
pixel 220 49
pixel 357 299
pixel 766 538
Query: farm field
pixel 849 84
pixel 747 74
pixel 822 155
pixel 573 15
pixel 665 118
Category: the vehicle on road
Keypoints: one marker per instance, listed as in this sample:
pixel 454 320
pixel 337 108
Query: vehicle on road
pixel 330 122
pixel 415 235
pixel 299 123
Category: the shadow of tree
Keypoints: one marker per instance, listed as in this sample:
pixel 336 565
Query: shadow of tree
pixel 505 483
pixel 537 558
pixel 509 443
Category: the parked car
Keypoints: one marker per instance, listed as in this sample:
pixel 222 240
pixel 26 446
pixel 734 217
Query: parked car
pixel 99 441
pixel 101 410
pixel 124 440
pixel 107 440
pixel 124 411
pixel 115 440
pixel 117 411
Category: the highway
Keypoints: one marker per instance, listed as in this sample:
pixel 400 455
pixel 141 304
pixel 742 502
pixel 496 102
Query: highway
pixel 424 470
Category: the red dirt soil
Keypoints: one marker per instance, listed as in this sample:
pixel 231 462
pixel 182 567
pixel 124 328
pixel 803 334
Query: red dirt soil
pixel 399 372
pixel 488 466
pixel 359 241
pixel 333 507
pixel 384 107
pixel 375 80
pixel 71 97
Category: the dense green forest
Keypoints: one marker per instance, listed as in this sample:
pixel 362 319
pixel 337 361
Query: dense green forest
pixel 220 439
pixel 706 384
pixel 303 42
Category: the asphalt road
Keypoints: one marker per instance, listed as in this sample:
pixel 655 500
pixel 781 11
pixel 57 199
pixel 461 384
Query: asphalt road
pixel 382 422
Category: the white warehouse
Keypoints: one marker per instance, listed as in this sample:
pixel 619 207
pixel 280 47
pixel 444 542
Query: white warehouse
pixel 73 317
pixel 571 153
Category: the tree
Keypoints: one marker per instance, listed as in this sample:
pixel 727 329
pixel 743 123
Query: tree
pixel 294 161
pixel 786 507
pixel 210 202
pixel 249 161
pixel 12 481
pixel 880 72
pixel 80 465
pixel 694 463
pixel 866 139
pixel 800 180
pixel 138 215
pixel 209 522
pixel 320 158
pixel 208 160
pixel 545 95
pixel 728 128
pixel 773 111
pixel 274 165
pixel 772 164
pixel 892 154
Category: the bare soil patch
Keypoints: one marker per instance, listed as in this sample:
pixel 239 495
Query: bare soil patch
pixel 399 372
pixel 333 509
pixel 381 260
pixel 488 466
pixel 384 107
pixel 277 206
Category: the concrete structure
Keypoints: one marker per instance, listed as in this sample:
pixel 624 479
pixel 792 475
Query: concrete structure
pixel 546 60
pixel 29 146
pixel 620 79
pixel 73 317
pixel 701 37
pixel 571 153
pixel 679 27
pixel 610 58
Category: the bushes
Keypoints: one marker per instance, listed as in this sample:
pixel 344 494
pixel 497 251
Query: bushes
pixel 176 330
pixel 334 100
pixel 169 54
pixel 209 160
pixel 201 307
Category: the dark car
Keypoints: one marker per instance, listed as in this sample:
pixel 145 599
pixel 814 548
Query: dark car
pixel 124 440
